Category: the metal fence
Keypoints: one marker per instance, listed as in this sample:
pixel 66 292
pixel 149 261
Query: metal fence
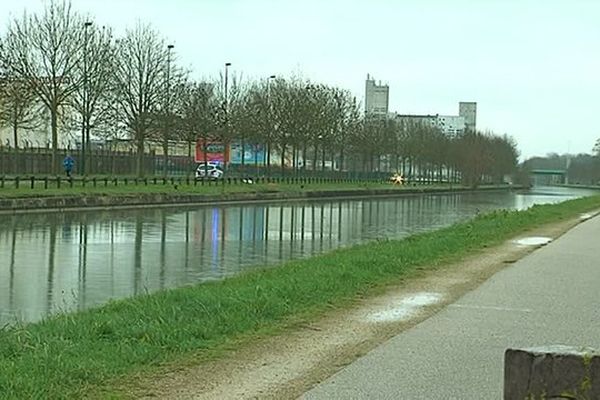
pixel 38 161
pixel 52 182
pixel 105 166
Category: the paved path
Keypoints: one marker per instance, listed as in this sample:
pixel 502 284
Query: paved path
pixel 551 296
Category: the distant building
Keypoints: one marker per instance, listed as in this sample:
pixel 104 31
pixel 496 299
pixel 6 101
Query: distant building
pixel 468 110
pixel 425 119
pixel 451 125
pixel 377 97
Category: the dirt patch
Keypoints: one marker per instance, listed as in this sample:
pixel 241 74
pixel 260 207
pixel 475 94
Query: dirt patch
pixel 287 365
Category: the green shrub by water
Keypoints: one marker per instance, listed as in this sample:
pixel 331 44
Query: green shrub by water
pixel 73 355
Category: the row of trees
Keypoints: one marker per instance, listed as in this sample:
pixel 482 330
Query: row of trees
pixel 580 168
pixel 63 67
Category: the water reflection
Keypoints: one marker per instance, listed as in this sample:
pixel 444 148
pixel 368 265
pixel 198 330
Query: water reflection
pixel 62 262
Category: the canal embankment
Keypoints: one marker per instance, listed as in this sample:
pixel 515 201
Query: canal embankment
pixel 143 196
pixel 104 351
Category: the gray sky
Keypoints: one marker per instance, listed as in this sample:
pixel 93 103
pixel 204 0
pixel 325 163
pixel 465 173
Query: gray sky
pixel 533 67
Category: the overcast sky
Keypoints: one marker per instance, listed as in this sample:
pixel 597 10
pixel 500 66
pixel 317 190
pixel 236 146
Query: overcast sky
pixel 533 67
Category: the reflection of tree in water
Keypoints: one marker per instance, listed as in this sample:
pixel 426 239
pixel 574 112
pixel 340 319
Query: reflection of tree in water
pixel 101 255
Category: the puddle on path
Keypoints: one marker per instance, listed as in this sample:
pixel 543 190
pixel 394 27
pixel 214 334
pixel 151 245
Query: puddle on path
pixel 533 241
pixel 405 308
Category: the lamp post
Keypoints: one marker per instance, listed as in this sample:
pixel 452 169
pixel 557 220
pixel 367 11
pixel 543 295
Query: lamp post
pixel 167 112
pixel 227 65
pixel 226 110
pixel 85 131
pixel 268 144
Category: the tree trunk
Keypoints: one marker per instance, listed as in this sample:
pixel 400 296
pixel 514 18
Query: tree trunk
pixel 165 147
pixel 139 168
pixel 268 159
pixel 16 141
pixel 54 128
pixel 243 153
pixel 304 151
pixel 256 147
pixel 82 161
pixel 190 161
pixel 88 148
pixel 294 160
pixel 282 160
pixel 15 127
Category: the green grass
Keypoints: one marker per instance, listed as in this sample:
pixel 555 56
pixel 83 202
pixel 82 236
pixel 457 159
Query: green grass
pixel 100 189
pixel 88 353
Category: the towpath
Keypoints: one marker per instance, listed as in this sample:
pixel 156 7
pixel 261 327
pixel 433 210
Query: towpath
pixel 551 296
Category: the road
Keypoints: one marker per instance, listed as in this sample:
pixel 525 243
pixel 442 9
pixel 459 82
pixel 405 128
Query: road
pixel 552 296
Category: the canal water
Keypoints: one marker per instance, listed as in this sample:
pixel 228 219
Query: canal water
pixel 75 260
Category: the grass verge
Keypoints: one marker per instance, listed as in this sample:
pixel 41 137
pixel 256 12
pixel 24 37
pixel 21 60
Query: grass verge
pixel 78 355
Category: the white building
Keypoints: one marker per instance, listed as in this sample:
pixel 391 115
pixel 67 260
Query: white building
pixel 425 119
pixel 377 97
pixel 451 125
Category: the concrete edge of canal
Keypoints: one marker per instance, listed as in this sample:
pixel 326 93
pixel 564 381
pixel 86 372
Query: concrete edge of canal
pixel 102 201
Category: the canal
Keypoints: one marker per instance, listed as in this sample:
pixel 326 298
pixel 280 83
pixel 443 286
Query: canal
pixel 75 260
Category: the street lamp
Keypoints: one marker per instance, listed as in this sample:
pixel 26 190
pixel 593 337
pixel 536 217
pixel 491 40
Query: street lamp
pixel 226 111
pixel 268 144
pixel 167 111
pixel 227 65
pixel 85 130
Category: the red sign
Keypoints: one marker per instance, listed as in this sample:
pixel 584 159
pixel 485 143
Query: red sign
pixel 216 152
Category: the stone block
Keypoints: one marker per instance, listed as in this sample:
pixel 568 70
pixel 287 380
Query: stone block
pixel 552 372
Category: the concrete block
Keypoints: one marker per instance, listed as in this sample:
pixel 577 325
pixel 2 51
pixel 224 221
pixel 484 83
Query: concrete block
pixel 552 372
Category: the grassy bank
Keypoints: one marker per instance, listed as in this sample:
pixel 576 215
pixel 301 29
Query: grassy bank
pixel 75 355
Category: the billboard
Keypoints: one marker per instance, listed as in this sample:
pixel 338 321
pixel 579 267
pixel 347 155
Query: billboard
pixel 253 153
pixel 216 152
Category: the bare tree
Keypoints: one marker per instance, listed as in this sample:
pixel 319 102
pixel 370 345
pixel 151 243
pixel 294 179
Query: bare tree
pixel 42 50
pixel 94 69
pixel 197 113
pixel 140 75
pixel 230 95
pixel 174 81
pixel 19 107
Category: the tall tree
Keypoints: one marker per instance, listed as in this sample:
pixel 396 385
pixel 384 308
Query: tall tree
pixel 19 107
pixel 197 113
pixel 140 75
pixel 42 51
pixel 174 81
pixel 94 69
pixel 230 94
